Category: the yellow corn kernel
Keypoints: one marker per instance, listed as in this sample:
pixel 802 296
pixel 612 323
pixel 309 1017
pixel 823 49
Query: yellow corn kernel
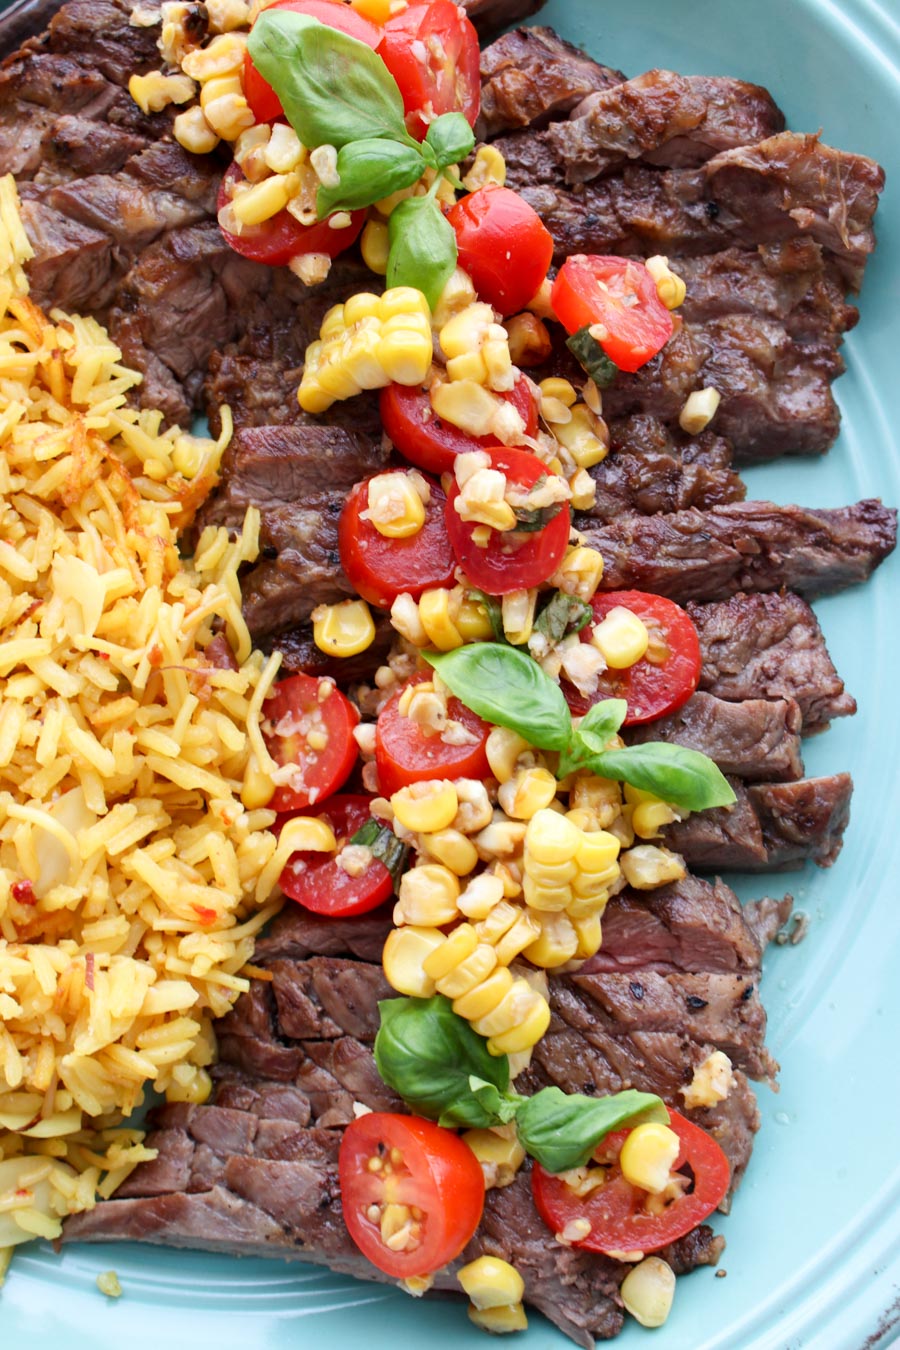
pixel 509 1012
pixel 428 895
pixel 552 874
pixel 546 899
pixel 465 332
pixel 699 410
pixel 523 932
pixel 360 357
pixel 465 404
pixel 557 943
pixel 648 1291
pixel 475 811
pixel 395 508
pixel 712 1082
pixel 648 818
pixel 217 88
pixel 494 925
pixel 481 895
pixel 228 116
pixel 485 997
pixel 457 295
pixel 517 610
pixel 193 133
pixel 156 91
pixel 453 849
pixel 362 305
pixel 491 1283
pixel 284 150
pixel 468 366
pixel 525 1033
pixel 343 629
pixel 561 390
pixel 257 789
pixel 504 748
pixel 647 866
pixel 404 956
pixel 499 1320
pixel 223 56
pixel 584 490
pixel 579 573
pixel 403 300
pixel 376 11
pixel 375 246
pixel 670 286
pixel 498 362
pixel 621 638
pixel 307 834
pixel 488 167
pixel 551 838
pixel 469 974
pixel 500 1155
pixel 502 838
pixel 585 437
pixel 457 947
pixel 436 614
pixel 405 356
pixel 601 797
pixel 527 792
pixel 414 322
pixel 590 935
pixel 332 324
pixel 648 1155
pixel 597 850
pixel 473 622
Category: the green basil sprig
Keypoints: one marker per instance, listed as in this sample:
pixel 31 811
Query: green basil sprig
pixel 592 735
pixel 441 1068
pixel 369 170
pixel 451 138
pixel 422 250
pixel 592 358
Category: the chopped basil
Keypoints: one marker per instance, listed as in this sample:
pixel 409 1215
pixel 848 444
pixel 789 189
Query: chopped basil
pixel 531 519
pixel 591 356
pixel 491 606
pixel 384 845
pixel 561 615
pixel 506 687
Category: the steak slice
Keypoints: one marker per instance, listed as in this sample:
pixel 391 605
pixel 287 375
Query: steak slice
pixel 655 482
pixel 744 546
pixel 643 434
pixel 770 646
pixel 757 740
pixel 531 75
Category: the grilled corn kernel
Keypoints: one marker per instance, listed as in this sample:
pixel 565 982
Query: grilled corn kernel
pixel 469 973
pixel 504 748
pixel 284 150
pixel 193 133
pixel 453 849
pixel 405 953
pixel 465 331
pixel 502 838
pixel 223 56
pixel 494 925
pixel 375 246
pixel 226 15
pixel 229 115
pixel 219 87
pixel 648 818
pixel 551 838
pixel 475 811
pixel 482 893
pixel 561 390
pixel 457 295
pixel 590 935
pixel 473 622
pixel 468 366
pixel 711 1083
pixel 156 91
pixel 670 286
pixel 394 506
pixel 647 1156
pixel 428 896
pixel 699 410
pixel 584 436
pixel 491 1283
pixel 343 629
pixel 621 638
pixel 523 932
pixel 517 610
pixel 601 797
pixel 486 996
pixel 557 943
pixel 500 1155
pixel 512 1009
pixel 405 356
pixel 579 573
pixel 466 405
pixel 488 167
pixel 647 866
pixel 597 851
pixel 648 1291
pixel 584 490
pixel 436 613
pixel 499 1321
pixel 525 1033
pixel 545 898
pixel 528 339
pixel 458 947
pixel 405 618
pixel 527 792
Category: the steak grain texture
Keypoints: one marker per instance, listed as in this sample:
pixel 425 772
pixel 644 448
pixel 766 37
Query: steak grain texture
pixel 757 740
pixel 531 75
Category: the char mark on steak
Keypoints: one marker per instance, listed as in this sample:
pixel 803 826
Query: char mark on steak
pixel 532 75
pixel 757 740
pixel 654 482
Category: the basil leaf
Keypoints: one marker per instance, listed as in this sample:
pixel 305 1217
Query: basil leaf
pixel 333 89
pixel 507 687
pixel 592 358
pixel 531 519
pixel 451 138
pixel 561 615
pixel 683 777
pixel 384 845
pixel 422 247
pixel 561 1130
pixel 502 1106
pixel 428 1055
pixel 492 609
pixel 369 170
pixel 592 735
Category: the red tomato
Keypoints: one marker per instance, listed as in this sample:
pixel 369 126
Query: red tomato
pixel 282 238
pixel 510 564
pixel 316 881
pixel 650 688
pixel 405 754
pixel 264 102
pixel 619 1221
pixel 380 568
pixel 620 296
pixel 503 245
pixel 438 1174
pixel 432 52
pixel 297 707
pixel 423 439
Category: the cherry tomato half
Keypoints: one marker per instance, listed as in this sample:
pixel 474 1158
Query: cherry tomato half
pixel 297 708
pixel 438 1175
pixel 282 238
pixel 620 296
pixel 405 754
pixel 318 883
pixel 503 245
pixel 264 102
pixel 512 560
pixel 619 1221
pixel 422 438
pixel 432 52
pixel 380 568
pixel 651 688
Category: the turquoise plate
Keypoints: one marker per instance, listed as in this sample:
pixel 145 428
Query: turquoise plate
pixel 813 1255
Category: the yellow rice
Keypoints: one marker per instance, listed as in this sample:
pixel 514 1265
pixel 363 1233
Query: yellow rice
pixel 133 880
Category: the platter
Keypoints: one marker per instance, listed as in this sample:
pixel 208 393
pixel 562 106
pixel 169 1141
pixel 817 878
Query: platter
pixel 813 1255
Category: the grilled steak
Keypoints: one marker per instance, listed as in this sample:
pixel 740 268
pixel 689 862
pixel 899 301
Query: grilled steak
pixel 532 75
pixel 757 740
pixel 653 482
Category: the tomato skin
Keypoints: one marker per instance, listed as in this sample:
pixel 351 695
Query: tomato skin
pixel 495 569
pixel 615 1210
pixel 650 690
pixel 379 568
pixel 636 332
pixel 282 238
pixel 503 245
pixel 264 102
pixel 426 441
pixel 404 754
pixel 439 1173
pixel 324 770
pixel 449 85
pixel 324 888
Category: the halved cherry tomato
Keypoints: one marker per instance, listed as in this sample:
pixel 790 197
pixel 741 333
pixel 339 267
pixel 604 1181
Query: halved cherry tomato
pixel 651 688
pixel 620 296
pixel 421 437
pixel 503 245
pixel 379 568
pixel 432 52
pixel 316 881
pixel 301 708
pixel 512 560
pixel 282 238
pixel 616 1210
pixel 405 753
pixel 438 1176
pixel 264 102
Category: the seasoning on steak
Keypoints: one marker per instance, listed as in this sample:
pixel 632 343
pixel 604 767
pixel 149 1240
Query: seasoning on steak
pixel 757 740
pixel 531 75
pixel 654 482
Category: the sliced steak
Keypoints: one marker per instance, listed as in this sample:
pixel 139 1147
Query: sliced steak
pixel 770 646
pixel 653 482
pixel 745 546
pixel 531 75
pixel 301 566
pixel 757 740
pixel 643 434
pixel 300 653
